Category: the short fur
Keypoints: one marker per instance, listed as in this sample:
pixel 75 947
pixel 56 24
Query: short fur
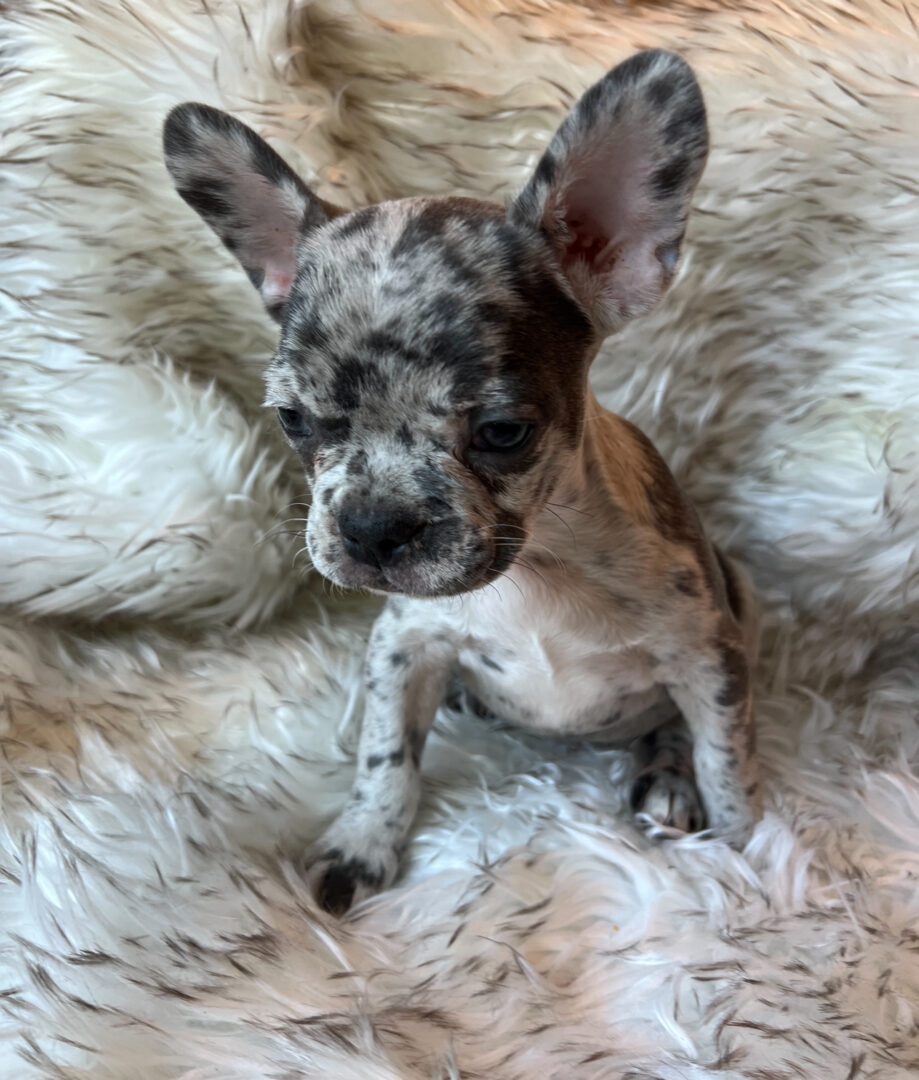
pixel 409 327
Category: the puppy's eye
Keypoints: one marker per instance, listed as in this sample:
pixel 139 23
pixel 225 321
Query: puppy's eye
pixel 295 423
pixel 502 436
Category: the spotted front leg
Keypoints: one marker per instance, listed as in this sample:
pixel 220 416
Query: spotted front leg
pixel 714 694
pixel 406 678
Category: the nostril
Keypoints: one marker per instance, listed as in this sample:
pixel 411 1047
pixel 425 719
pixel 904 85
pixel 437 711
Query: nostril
pixel 397 542
pixel 376 537
pixel 405 532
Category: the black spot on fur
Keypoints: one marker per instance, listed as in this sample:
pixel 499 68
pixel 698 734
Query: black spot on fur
pixel 357 464
pixel 457 267
pixel 178 140
pixel 353 379
pixel 398 659
pixel 736 675
pixel 374 761
pixel 420 229
pixel 339 883
pixel 589 106
pixel 488 662
pixel 358 222
pixel 209 198
pixel 386 341
pixel 660 91
pixel 671 177
pixel 335 429
pixel 546 169
pixel 731 586
pixel 687 125
pixel 405 436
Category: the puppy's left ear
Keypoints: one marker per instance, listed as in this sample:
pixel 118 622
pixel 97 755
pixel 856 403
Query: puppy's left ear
pixel 611 193
pixel 247 193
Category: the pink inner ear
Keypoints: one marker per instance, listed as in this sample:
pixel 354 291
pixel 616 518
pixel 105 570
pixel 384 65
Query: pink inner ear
pixel 610 227
pixel 272 213
pixel 277 284
pixel 588 244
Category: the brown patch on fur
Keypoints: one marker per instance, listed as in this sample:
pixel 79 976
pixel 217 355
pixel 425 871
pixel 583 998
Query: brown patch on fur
pixel 644 488
pixel 622 459
pixel 736 672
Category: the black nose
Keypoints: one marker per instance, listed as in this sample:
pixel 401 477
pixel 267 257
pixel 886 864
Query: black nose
pixel 378 536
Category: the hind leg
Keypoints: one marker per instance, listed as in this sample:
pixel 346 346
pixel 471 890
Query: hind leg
pixel 664 791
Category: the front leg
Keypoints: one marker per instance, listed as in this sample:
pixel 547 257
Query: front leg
pixel 712 688
pixel 406 676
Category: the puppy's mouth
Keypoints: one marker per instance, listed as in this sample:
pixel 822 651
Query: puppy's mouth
pixel 419 574
pixel 419 580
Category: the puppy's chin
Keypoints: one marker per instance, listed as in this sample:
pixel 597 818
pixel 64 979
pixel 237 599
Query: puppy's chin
pixel 403 581
pixel 422 580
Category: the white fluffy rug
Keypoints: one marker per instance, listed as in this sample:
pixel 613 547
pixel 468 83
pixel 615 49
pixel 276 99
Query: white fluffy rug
pixel 177 689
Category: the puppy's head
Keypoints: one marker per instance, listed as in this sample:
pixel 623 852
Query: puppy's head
pixel 433 355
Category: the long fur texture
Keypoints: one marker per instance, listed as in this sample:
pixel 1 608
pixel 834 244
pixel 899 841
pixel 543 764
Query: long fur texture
pixel 177 699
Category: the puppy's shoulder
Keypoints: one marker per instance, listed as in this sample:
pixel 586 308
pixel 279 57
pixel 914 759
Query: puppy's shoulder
pixel 637 480
pixel 625 461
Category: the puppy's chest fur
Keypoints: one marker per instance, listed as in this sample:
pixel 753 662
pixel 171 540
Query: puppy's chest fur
pixel 559 645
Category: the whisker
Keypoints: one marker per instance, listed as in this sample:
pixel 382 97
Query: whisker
pixel 511 580
pixel 567 525
pixel 303 550
pixel 508 542
pixel 573 509
pixel 272 533
pixel 533 570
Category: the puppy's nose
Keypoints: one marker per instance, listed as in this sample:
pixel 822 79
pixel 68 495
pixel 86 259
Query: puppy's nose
pixel 378 536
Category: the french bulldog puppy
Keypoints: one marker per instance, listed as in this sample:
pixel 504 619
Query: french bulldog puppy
pixel 432 377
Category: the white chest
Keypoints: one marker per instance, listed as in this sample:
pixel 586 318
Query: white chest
pixel 554 652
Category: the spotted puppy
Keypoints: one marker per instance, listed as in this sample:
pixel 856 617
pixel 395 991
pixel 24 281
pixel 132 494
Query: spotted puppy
pixel 432 377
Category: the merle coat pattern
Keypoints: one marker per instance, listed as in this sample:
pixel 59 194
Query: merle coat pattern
pixel 432 376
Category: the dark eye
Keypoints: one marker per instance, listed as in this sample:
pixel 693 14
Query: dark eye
pixel 295 422
pixel 502 436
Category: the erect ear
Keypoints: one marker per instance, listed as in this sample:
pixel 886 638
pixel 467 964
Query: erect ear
pixel 252 200
pixel 612 191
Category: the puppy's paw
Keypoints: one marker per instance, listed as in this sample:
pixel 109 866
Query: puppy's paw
pixel 340 873
pixel 670 799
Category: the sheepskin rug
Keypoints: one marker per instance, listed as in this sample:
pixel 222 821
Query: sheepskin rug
pixel 180 693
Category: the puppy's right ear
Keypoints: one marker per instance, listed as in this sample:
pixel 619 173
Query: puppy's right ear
pixel 252 200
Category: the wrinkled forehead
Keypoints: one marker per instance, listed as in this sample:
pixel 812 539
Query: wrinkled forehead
pixel 419 303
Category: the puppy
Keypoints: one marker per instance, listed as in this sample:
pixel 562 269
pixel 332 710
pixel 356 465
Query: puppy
pixel 432 377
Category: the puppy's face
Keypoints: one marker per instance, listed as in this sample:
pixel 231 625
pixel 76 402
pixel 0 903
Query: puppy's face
pixel 430 376
pixel 433 357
